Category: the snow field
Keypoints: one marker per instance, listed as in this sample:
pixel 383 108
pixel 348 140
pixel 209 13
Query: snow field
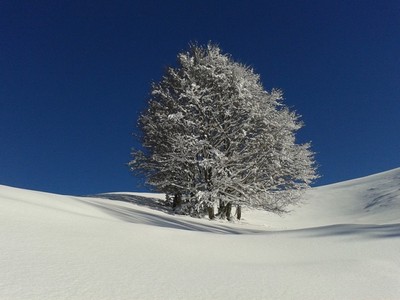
pixel 343 243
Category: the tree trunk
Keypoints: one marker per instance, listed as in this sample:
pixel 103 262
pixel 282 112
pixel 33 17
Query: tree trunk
pixel 228 210
pixel 211 212
pixel 238 212
pixel 177 201
pixel 221 209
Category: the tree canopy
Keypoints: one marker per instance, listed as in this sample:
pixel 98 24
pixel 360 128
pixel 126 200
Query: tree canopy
pixel 214 136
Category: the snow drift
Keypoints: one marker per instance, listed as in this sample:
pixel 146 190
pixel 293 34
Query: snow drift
pixel 342 243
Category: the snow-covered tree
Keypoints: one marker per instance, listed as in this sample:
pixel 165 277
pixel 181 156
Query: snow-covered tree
pixel 215 137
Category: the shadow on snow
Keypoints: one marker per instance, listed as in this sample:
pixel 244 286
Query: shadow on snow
pixel 168 220
pixel 367 231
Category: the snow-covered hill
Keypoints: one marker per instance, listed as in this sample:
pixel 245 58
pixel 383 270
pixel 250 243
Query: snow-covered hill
pixel 342 243
pixel 373 199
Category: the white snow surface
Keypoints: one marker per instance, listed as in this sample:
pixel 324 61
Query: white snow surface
pixel 342 243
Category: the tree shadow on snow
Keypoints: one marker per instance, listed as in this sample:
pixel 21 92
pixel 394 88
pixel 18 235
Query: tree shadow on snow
pixel 360 230
pixel 168 220
pixel 153 203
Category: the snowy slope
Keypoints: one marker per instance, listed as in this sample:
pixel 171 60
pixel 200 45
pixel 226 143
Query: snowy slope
pixel 373 199
pixel 343 243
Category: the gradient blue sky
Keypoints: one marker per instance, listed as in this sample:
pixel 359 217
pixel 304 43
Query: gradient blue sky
pixel 74 76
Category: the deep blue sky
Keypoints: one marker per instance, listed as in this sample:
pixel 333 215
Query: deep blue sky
pixel 74 76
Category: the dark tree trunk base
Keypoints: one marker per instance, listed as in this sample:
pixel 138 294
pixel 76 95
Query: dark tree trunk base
pixel 238 212
pixel 228 210
pixel 221 209
pixel 177 201
pixel 211 213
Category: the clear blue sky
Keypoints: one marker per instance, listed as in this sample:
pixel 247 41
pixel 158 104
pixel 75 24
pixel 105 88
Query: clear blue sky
pixel 74 76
